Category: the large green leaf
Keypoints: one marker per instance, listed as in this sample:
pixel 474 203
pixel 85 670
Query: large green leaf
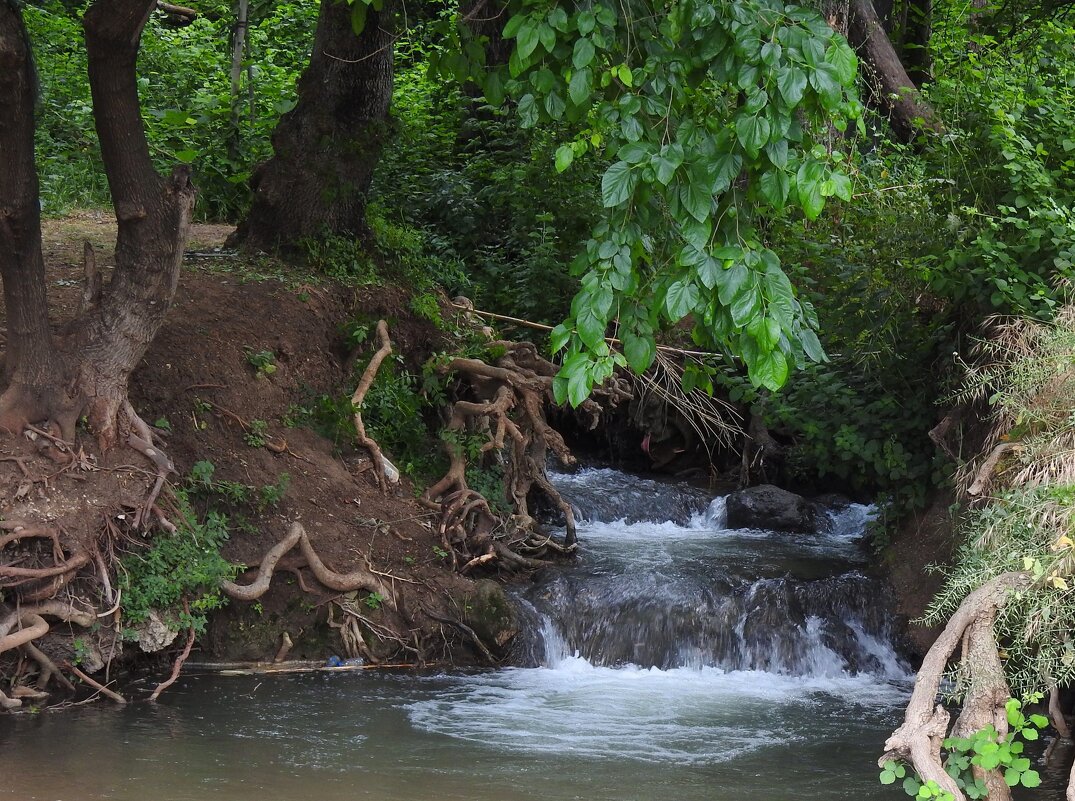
pixel 617 184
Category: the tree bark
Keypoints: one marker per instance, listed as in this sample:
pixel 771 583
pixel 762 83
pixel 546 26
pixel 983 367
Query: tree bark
pixel 909 114
pixel 87 371
pixel 326 148
pixel 153 216
pixel 31 364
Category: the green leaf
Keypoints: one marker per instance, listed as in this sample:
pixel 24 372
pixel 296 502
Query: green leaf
pixel 770 53
pixel 527 40
pixel 564 156
pixel 843 59
pixel 358 17
pixel 668 161
pixel 639 350
pixel 744 306
pixel 791 81
pixel 812 346
pixel 1030 734
pixel 186 156
pixel 696 197
pixel 581 86
pixel 774 187
pixel 558 338
pixel 623 72
pixel 583 53
pixel 528 111
pixel 586 22
pixel 727 166
pixel 680 300
pixel 1011 777
pixel 513 26
pixel 617 184
pixel 1030 778
pixel 771 371
pixel 494 88
pixel 888 777
pixel 753 133
pixel 591 327
pixel 809 180
pixel 547 36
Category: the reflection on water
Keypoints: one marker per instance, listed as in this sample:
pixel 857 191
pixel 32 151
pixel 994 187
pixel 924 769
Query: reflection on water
pixel 576 733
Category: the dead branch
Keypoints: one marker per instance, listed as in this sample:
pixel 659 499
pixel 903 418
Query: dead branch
pixel 119 699
pixel 989 467
pixel 463 627
pixel 384 349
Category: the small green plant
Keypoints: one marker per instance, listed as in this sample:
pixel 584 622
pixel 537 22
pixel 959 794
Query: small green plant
pixel 81 649
pixel 272 494
pixel 986 750
pixel 263 362
pixel 163 424
pixel 255 435
pixel 201 473
pixel 184 566
pixel 425 305
pixel 440 552
pixel 374 600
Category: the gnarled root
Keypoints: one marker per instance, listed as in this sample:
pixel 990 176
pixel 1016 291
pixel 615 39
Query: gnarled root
pixel 925 725
pixel 296 535
pixel 384 349
pixel 508 408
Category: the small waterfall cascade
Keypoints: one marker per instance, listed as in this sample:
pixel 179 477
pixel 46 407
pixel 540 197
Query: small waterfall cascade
pixel 663 583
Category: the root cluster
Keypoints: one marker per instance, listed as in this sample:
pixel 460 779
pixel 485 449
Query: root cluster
pixel 505 411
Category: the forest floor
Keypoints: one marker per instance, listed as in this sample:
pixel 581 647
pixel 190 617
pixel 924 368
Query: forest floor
pixel 200 387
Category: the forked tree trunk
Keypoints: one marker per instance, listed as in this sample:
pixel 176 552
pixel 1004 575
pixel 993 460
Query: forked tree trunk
pixel 909 113
pixel 89 374
pixel 326 148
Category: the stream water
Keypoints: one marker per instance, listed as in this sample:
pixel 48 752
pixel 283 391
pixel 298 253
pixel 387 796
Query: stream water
pixel 677 660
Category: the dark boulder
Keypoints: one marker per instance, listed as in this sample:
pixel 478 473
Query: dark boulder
pixel 769 507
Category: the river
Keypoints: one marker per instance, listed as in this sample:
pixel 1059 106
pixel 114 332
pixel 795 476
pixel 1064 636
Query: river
pixel 677 660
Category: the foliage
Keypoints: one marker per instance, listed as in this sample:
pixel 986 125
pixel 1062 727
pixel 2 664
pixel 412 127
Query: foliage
pixel 182 566
pixel 189 112
pixel 709 115
pixel 1009 158
pixel 985 749
pixel 1028 377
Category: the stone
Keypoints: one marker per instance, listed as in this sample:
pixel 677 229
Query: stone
pixel 769 507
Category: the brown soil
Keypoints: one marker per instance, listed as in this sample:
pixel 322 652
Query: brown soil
pixel 197 382
pixel 926 539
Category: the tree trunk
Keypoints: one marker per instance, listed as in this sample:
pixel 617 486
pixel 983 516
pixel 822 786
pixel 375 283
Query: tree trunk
pixel 908 112
pixel 31 364
pixel 89 374
pixel 326 148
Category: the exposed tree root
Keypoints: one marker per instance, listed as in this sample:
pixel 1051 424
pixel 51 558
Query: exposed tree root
pixel 384 349
pixel 119 699
pixel 918 740
pixel 507 410
pixel 176 667
pixel 342 582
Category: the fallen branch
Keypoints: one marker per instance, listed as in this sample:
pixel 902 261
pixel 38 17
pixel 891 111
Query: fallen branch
pixel 119 699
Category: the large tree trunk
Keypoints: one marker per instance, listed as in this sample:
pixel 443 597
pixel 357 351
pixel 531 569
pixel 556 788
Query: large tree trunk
pixel 31 365
pixel 89 374
pixel 908 112
pixel 326 148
